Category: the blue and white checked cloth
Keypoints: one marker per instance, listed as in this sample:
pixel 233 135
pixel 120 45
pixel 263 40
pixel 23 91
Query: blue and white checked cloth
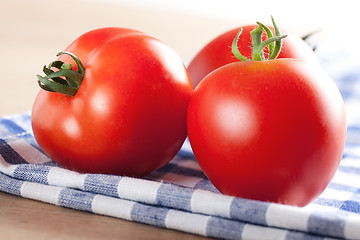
pixel 179 196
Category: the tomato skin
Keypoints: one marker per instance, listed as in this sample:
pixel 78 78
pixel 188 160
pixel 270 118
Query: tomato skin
pixel 218 52
pixel 271 131
pixel 129 114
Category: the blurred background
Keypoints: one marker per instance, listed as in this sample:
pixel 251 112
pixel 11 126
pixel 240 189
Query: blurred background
pixel 32 32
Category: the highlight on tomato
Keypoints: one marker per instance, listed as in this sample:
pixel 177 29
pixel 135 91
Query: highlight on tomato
pixel 218 52
pixel 114 102
pixel 266 128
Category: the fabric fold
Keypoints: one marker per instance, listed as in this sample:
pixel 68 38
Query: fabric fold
pixel 196 223
pixel 177 196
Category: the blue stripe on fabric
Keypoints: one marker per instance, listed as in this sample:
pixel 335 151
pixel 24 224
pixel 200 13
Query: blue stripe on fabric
pixel 347 84
pixel 350 148
pixel 324 224
pixel 342 187
pixel 347 205
pixel 205 184
pixel 351 206
pixel 25 120
pixel 14 132
pixel 353 128
pixel 351 170
pixel 149 214
pixel 174 168
pixel 174 196
pixel 186 150
pixel 32 173
pixel 10 185
pixel 76 199
pixel 223 228
pixel 328 202
pixel 185 154
pixel 102 184
pixel 19 132
pixel 9 154
pixel 293 235
pixel 11 126
pixel 353 203
pixel 351 77
pixel 51 164
pixel 249 211
pixel 3 132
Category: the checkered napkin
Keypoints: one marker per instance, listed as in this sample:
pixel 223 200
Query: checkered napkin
pixel 179 196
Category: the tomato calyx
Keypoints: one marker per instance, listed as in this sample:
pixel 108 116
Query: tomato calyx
pixel 257 45
pixel 66 80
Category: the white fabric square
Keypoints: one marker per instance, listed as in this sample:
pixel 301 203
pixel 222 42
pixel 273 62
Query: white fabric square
pixel 66 178
pixel 253 232
pixel 40 192
pixel 113 207
pixel 352 229
pixel 211 203
pixel 287 217
pixel 188 222
pixel 138 189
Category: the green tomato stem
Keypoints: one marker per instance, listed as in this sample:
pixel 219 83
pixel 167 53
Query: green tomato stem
pixel 235 49
pixel 65 81
pixel 269 35
pixel 256 40
pixel 278 43
pixel 257 45
pixel 79 64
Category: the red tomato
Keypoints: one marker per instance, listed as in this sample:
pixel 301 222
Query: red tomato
pixel 129 115
pixel 268 130
pixel 218 53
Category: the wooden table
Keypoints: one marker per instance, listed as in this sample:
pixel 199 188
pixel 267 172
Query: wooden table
pixel 31 33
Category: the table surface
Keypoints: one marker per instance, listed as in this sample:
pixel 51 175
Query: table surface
pixel 31 33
